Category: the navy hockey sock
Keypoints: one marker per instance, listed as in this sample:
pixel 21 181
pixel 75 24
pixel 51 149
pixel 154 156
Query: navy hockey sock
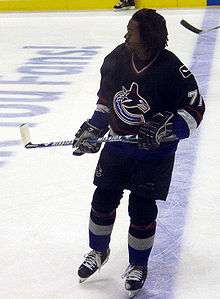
pixel 140 243
pixel 100 229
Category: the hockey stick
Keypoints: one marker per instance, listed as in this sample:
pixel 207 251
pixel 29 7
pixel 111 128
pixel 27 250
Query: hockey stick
pixel 26 139
pixel 196 30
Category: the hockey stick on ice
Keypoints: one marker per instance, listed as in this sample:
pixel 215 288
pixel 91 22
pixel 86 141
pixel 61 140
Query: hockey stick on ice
pixel 196 30
pixel 26 139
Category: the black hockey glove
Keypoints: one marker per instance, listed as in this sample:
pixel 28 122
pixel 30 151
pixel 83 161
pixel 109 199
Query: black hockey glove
pixel 155 130
pixel 84 141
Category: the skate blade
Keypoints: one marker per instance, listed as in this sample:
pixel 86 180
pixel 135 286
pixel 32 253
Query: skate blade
pixel 132 294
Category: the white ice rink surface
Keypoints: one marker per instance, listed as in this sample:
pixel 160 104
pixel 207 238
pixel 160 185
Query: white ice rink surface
pixel 45 193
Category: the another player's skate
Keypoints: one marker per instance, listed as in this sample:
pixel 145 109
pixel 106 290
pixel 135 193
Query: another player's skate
pixel 125 4
pixel 135 278
pixel 94 260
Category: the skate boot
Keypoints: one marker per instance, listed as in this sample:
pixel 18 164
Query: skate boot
pixel 135 278
pixel 94 260
pixel 125 4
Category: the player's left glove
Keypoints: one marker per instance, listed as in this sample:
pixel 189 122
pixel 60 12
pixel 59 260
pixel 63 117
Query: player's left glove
pixel 85 139
pixel 155 130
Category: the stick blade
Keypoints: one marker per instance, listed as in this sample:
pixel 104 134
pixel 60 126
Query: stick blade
pixel 190 27
pixel 25 134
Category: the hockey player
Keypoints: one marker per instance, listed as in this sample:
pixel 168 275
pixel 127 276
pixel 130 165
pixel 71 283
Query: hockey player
pixel 125 4
pixel 145 90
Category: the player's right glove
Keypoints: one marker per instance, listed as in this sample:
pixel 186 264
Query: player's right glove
pixel 85 139
pixel 155 130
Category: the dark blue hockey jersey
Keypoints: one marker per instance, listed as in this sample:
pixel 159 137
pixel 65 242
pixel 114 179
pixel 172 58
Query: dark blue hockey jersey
pixel 129 96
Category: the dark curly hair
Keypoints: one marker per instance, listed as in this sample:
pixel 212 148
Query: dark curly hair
pixel 153 30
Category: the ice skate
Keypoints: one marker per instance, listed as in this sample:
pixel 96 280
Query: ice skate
pixel 125 4
pixel 135 278
pixel 93 262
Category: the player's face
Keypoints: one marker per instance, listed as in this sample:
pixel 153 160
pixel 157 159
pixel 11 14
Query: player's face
pixel 132 37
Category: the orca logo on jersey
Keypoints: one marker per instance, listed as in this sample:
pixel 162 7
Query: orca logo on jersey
pixel 130 106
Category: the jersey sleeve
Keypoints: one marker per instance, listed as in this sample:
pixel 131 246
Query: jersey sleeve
pixel 190 105
pixel 100 117
pixel 108 78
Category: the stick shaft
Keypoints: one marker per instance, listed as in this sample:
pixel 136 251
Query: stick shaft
pixel 128 138
pixel 49 144
pixel 196 30
pixel 210 29
pixel 26 138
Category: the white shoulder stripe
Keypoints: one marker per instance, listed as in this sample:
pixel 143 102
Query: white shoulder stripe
pixel 189 119
pixel 102 108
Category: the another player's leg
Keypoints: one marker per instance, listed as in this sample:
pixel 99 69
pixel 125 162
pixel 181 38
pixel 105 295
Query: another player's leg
pixel 143 213
pixel 125 4
pixel 102 218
